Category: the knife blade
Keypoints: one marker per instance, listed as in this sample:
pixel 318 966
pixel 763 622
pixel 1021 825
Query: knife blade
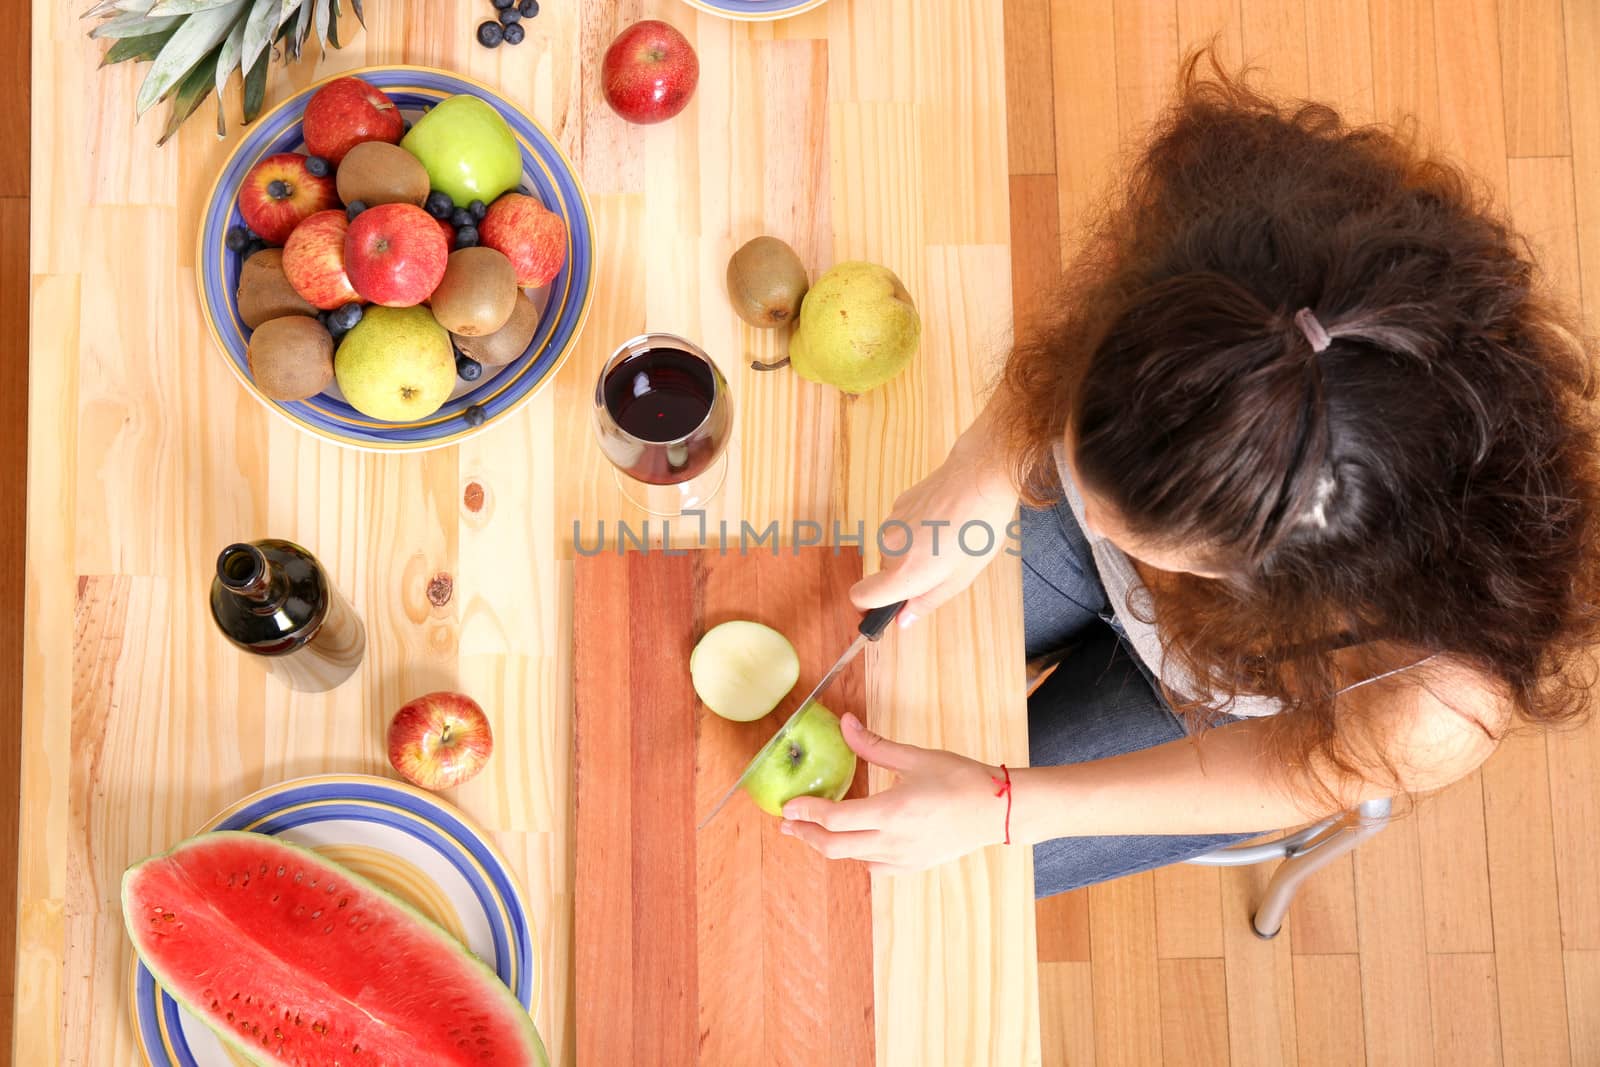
pixel 873 624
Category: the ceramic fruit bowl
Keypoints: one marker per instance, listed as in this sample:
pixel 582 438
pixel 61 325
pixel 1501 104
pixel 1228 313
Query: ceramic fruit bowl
pixel 474 405
pixel 755 10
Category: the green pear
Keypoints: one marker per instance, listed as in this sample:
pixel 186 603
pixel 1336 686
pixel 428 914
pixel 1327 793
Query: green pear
pixel 396 364
pixel 858 328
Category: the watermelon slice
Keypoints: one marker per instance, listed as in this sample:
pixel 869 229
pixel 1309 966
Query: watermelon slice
pixel 294 960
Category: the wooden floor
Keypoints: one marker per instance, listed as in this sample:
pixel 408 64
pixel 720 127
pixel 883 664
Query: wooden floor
pixel 14 89
pixel 1468 933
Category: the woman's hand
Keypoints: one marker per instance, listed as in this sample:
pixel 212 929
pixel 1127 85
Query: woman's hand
pixel 943 807
pixel 944 554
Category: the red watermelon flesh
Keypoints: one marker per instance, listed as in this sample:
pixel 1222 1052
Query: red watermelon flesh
pixel 297 961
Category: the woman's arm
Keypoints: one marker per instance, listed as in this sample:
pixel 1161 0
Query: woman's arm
pixel 945 805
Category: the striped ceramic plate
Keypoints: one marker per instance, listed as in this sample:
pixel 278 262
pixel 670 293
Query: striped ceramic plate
pixel 405 840
pixel 564 304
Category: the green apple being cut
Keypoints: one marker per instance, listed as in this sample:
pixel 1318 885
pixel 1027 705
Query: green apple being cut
pixel 396 364
pixel 810 759
pixel 467 149
pixel 743 669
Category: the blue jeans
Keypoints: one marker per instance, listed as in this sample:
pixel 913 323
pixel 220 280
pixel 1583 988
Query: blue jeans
pixel 1099 702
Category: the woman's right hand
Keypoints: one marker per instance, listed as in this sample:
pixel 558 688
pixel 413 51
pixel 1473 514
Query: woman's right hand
pixel 968 488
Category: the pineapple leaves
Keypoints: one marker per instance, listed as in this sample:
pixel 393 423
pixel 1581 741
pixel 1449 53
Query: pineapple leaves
pixel 194 88
pixel 136 48
pixel 258 31
pixel 198 35
pixel 255 91
pixel 195 47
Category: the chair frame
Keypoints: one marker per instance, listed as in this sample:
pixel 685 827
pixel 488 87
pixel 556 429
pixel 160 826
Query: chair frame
pixel 1303 853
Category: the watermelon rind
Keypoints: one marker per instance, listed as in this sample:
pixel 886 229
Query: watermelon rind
pixel 425 925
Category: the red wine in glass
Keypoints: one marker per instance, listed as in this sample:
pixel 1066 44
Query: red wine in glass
pixel 662 414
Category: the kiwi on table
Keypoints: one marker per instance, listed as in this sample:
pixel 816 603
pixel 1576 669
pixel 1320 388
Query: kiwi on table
pixel 477 293
pixel 508 342
pixel 264 291
pixel 291 357
pixel 377 172
pixel 766 282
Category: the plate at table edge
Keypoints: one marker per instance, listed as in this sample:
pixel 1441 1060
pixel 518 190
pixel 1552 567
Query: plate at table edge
pixel 545 166
pixel 151 1010
pixel 755 10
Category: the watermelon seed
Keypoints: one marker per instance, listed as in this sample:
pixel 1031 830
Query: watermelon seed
pixel 263 868
pixel 274 898
pixel 297 1021
pixel 236 996
pixel 317 914
pixel 230 1016
pixel 231 879
pixel 276 1033
pixel 355 1048
pixel 214 1005
pixel 299 876
pixel 331 888
pixel 168 917
pixel 280 870
pixel 319 1028
pixel 362 928
pixel 343 901
pixel 328 929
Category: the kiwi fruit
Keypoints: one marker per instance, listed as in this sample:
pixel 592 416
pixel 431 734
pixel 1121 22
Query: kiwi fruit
pixel 766 282
pixel 377 172
pixel 291 357
pixel 264 291
pixel 477 292
pixel 508 342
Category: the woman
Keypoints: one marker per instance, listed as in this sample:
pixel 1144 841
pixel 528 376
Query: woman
pixel 1312 496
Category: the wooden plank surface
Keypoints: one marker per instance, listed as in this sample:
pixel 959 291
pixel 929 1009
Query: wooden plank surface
pixel 734 937
pixel 1327 999
pixel 831 130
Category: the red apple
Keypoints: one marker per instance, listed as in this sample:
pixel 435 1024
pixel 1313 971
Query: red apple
pixel 440 740
pixel 313 261
pixel 279 193
pixel 396 254
pixel 346 112
pixel 649 72
pixel 527 233
pixel 449 232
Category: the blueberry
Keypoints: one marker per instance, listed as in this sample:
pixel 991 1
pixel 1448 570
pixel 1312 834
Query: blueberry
pixel 474 415
pixel 278 189
pixel 514 33
pixel 345 318
pixel 440 205
pixel 501 5
pixel 354 208
pixel 405 127
pixel 237 238
pixel 468 369
pixel 478 209
pixel 510 16
pixel 466 237
pixel 529 8
pixel 255 245
pixel 461 217
pixel 317 166
pixel 490 34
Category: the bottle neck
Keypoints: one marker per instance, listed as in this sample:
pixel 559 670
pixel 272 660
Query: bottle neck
pixel 244 571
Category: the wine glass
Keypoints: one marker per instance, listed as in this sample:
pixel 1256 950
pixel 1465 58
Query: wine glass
pixel 663 418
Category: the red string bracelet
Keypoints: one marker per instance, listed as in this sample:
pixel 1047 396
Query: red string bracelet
pixel 1003 789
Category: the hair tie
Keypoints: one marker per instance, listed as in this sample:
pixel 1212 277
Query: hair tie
pixel 1315 334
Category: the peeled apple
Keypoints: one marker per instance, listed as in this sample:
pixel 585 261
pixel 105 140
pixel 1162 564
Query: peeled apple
pixel 742 670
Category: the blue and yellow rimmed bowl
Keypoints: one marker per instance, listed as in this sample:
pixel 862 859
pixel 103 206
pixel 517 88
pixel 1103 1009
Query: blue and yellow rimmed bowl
pixel 407 841
pixel 564 304
pixel 755 10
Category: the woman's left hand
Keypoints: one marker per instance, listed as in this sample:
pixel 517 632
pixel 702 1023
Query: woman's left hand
pixel 943 807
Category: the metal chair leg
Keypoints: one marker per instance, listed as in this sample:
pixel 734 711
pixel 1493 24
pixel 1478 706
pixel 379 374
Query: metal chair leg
pixel 1310 856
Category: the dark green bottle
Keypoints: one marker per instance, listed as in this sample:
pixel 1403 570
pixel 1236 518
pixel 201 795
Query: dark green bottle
pixel 272 598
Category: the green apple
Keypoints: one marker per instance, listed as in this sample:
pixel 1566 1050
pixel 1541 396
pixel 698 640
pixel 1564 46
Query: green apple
pixel 743 669
pixel 467 149
pixel 396 364
pixel 809 760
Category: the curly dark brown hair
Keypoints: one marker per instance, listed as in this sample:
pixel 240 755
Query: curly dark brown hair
pixel 1425 486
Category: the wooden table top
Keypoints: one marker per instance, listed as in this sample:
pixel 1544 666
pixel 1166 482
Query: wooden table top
pixel 871 129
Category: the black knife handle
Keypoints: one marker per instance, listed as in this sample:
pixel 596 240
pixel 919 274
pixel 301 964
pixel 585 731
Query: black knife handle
pixel 878 619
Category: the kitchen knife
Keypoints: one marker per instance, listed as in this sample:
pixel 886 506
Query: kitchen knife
pixel 873 624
